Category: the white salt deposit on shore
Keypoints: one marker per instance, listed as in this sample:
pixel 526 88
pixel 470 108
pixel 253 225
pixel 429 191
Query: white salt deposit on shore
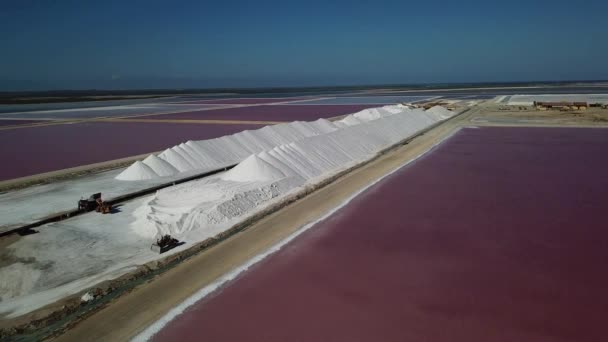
pixel 159 166
pixel 137 171
pixel 314 153
pixel 439 112
pixel 173 157
pixel 217 153
pixel 253 169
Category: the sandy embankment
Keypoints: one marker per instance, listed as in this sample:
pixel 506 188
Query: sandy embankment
pixel 132 313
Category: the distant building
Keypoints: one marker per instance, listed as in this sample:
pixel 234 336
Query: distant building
pixel 561 105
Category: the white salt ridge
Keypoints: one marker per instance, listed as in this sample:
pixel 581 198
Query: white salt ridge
pixel 159 166
pixel 206 206
pixel 278 164
pixel 351 120
pixel 371 114
pixel 232 149
pixel 174 158
pixel 217 153
pixel 190 155
pixel 253 169
pixel 137 171
pixel 440 112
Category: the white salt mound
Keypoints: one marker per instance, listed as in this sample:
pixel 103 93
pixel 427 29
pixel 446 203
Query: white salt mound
pixel 440 112
pixel 137 171
pixel 177 160
pixel 253 169
pixel 303 156
pixel 160 167
pixel 351 120
pixel 217 153
pixel 369 114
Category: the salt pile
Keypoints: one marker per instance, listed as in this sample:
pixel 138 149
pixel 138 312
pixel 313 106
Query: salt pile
pixel 374 113
pixel 205 155
pixel 159 166
pixel 253 169
pixel 440 112
pixel 351 120
pixel 266 175
pixel 137 171
pixel 176 159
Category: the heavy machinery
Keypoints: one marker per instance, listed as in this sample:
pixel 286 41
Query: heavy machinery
pixel 165 243
pixel 89 204
pixel 94 202
pixel 103 207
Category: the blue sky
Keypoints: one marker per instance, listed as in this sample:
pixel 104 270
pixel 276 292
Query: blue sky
pixel 181 44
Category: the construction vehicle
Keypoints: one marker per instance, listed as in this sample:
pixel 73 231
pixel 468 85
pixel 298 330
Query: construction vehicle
pixel 103 207
pixel 89 204
pixel 165 243
pixel 94 202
